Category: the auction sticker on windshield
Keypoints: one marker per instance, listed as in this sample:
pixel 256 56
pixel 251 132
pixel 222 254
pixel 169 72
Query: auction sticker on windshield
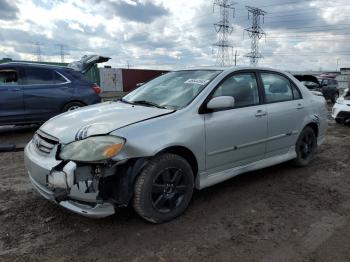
pixel 197 81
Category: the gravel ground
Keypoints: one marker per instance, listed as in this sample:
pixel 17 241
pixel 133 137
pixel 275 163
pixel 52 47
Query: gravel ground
pixel 280 213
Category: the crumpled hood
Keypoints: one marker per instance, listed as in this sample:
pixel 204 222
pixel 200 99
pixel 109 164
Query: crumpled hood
pixel 98 119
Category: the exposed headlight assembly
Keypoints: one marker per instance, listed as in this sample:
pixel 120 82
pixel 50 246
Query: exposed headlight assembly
pixel 92 149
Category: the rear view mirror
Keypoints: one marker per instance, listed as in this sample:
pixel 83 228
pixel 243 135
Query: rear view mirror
pixel 221 102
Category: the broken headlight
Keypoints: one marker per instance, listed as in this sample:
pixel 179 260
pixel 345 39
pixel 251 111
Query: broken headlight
pixel 91 149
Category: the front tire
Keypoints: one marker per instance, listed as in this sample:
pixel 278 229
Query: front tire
pixel 164 188
pixel 305 147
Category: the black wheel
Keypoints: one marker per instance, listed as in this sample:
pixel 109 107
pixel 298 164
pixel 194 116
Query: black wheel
pixel 72 106
pixel 339 121
pixel 305 147
pixel 164 188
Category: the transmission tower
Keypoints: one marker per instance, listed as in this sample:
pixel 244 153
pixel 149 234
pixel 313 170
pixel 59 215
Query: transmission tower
pixel 255 32
pixel 223 30
pixel 61 51
pixel 37 51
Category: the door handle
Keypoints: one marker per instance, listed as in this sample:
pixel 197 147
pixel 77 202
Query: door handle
pixel 300 106
pixel 260 113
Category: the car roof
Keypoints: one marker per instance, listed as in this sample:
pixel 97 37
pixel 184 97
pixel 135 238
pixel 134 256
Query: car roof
pixel 28 64
pixel 232 68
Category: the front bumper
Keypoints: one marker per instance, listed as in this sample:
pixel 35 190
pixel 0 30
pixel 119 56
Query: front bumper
pixel 39 166
pixel 341 111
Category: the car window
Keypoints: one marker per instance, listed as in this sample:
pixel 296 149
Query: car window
pixel 59 79
pixel 277 88
pixel 296 92
pixel 8 77
pixel 242 87
pixel 173 90
pixel 35 76
pixel 75 75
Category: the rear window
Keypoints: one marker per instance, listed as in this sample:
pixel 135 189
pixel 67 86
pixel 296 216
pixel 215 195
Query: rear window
pixel 59 79
pixel 77 76
pixel 38 76
pixel 8 76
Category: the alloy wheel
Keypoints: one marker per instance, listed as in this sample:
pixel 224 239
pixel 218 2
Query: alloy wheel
pixel 168 190
pixel 307 146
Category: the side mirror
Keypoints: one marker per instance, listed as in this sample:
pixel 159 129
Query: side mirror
pixel 221 102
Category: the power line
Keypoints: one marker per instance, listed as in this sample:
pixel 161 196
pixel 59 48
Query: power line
pixel 223 30
pixel 255 32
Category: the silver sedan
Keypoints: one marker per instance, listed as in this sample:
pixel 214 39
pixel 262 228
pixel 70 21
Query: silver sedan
pixel 186 129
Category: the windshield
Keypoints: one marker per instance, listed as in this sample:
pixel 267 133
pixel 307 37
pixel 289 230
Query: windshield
pixel 172 90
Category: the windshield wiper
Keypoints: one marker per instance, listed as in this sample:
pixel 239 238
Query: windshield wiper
pixel 125 101
pixel 148 103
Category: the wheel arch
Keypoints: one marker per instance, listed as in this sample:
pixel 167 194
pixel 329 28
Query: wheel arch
pixel 184 152
pixel 73 101
pixel 314 127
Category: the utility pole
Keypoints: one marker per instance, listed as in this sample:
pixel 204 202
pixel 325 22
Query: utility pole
pixel 255 32
pixel 223 30
pixel 37 51
pixel 338 61
pixel 235 57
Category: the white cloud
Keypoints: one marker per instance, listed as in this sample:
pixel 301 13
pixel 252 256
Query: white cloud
pixel 179 33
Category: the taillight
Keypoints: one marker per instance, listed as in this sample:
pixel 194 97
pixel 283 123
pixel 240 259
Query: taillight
pixel 96 88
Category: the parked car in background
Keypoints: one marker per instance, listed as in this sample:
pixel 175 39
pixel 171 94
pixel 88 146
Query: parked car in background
pixel 183 130
pixel 328 87
pixel 341 109
pixel 33 93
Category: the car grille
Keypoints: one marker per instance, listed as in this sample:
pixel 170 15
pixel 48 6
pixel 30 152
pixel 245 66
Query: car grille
pixel 44 143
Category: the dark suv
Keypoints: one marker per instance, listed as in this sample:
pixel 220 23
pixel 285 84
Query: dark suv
pixel 33 93
pixel 327 86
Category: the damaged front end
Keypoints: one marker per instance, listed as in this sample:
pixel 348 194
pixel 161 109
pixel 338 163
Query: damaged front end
pixel 90 189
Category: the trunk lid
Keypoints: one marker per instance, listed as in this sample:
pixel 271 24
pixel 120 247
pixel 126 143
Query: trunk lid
pixel 86 62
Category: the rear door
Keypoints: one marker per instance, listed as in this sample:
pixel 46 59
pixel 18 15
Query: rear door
pixel 286 111
pixel 11 96
pixel 45 92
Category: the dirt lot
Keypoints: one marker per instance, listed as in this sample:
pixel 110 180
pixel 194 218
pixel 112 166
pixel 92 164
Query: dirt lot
pixel 276 214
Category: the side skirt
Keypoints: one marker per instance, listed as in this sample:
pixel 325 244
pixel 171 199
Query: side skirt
pixel 205 179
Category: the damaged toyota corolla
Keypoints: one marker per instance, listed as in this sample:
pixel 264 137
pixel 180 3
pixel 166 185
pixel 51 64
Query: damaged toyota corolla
pixel 186 129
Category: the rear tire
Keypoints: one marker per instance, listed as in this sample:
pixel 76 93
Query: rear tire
pixel 305 147
pixel 164 188
pixel 72 106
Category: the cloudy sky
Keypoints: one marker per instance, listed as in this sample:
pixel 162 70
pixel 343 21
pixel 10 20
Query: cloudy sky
pixel 300 35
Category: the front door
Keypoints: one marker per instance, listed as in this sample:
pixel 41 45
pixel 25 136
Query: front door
pixel 236 136
pixel 11 97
